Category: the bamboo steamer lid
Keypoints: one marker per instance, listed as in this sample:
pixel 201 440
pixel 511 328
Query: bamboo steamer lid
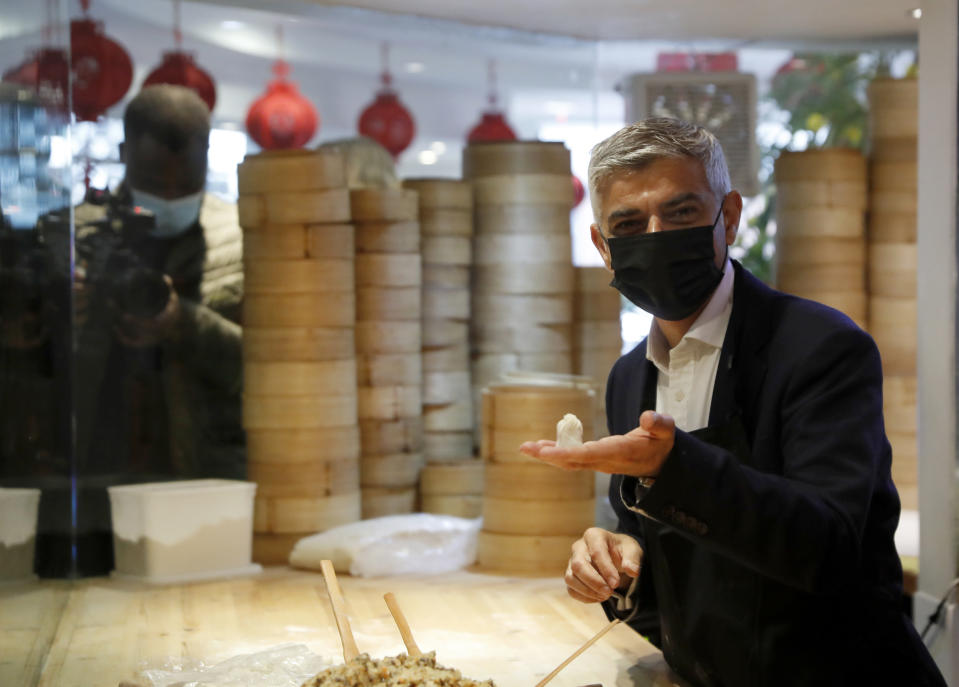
pixel 274 549
pixel 524 553
pixel 389 304
pixel 594 280
pixel 445 276
pixel 372 204
pixel 595 307
pixel 393 369
pixel 299 242
pixel 894 176
pixel 449 417
pixel 528 218
pixel 334 309
pixel 899 403
pixel 380 338
pixel 825 193
pixel 500 249
pixel 448 250
pixel 530 278
pixel 824 164
pixel 515 157
pixel 893 228
pixel 597 335
pixel 519 406
pixel 458 505
pixel 895 149
pixel 892 269
pixel 404 435
pixel 307 207
pixel 524 188
pixel 520 480
pixel 894 202
pixel 392 470
pixel 448 445
pixel 519 338
pixel 454 477
pixel 286 446
pixel 892 323
pixel 446 359
pixel 395 269
pixel 441 222
pixel 251 211
pixel 297 344
pixel 316 479
pixel 451 304
pixel 285 378
pixel 440 388
pixel 290 170
pixel 816 278
pixel 389 402
pixel 298 276
pixel 300 412
pixel 388 237
pixel 545 309
pixel 816 222
pixel 379 502
pixel 442 193
pixel 537 517
pixel 440 333
pixel 305 514
pixel 893 108
pixel 822 251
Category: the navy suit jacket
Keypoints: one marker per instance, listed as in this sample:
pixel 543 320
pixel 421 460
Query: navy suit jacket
pixel 768 536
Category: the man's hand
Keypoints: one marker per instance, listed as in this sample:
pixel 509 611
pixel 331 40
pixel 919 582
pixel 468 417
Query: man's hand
pixel 640 453
pixel 601 562
pixel 139 332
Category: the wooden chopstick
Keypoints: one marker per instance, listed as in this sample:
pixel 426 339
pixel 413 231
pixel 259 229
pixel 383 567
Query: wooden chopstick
pixel 595 638
pixel 402 625
pixel 350 651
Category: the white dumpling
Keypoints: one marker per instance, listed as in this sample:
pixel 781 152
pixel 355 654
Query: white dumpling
pixel 569 431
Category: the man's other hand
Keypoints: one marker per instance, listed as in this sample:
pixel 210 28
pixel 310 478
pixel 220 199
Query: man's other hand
pixel 602 562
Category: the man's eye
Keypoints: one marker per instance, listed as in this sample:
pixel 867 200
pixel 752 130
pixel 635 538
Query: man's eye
pixel 685 213
pixel 631 226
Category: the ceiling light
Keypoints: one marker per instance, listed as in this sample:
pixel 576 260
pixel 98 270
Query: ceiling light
pixel 415 67
pixel 427 157
pixel 438 147
pixel 915 13
pixel 231 25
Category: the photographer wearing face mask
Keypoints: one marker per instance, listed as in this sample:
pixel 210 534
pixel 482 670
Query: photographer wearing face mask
pixel 751 468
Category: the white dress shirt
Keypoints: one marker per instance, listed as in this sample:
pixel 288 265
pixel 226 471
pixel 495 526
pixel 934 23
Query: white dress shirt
pixel 687 372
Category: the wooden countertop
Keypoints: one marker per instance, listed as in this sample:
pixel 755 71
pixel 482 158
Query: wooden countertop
pixel 97 632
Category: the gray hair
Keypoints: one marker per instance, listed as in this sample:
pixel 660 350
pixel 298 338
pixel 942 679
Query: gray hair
pixel 638 145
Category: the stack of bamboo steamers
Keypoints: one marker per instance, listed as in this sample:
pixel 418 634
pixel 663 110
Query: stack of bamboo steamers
pixel 300 400
pixel 388 348
pixel 452 481
pixel 893 110
pixel 597 333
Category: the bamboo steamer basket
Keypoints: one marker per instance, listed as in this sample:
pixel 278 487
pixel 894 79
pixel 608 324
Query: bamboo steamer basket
pixel 291 170
pixel 307 207
pixel 892 323
pixel 813 278
pixel 379 502
pixel 596 364
pixel 594 280
pixel 518 481
pixel 452 304
pixel 396 369
pixel 893 108
pixel 597 307
pixel 439 446
pixel 487 368
pixel 597 335
pixel 262 344
pixel 450 417
pixel 443 333
pixel 326 378
pixel 393 269
pixel 515 157
pixel 390 470
pixel 524 406
pixel 547 309
pixel 457 505
pixel 899 405
pixel 447 250
pixel 854 304
pixel 452 478
pixel 440 222
pixel 537 517
pixel 528 218
pixel 892 270
pixel 531 278
pixel 818 222
pixel 894 176
pixel 523 553
pixel 895 149
pixel 380 338
pixel 388 402
pixel 442 193
pixel 388 237
pixel 440 388
pixel 388 304
pixel 824 164
pixel 404 435
pixel 506 249
pixel 446 359
pixel 289 446
pixel 523 188
pixel 894 203
pixel 274 549
pixel 315 479
pixel 299 310
pixel 298 276
pixel 555 338
pixel 251 211
pixel 445 276
pixel 304 515
pixel 299 242
pixel 825 193
pixel 377 204
pixel 892 228
pixel 801 251
pixel 300 412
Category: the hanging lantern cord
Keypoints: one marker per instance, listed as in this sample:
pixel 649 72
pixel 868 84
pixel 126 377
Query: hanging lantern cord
pixel 177 33
pixel 85 6
pixel 491 75
pixel 385 77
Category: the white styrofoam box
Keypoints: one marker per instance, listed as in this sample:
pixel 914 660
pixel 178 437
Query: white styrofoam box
pixel 170 532
pixel 18 532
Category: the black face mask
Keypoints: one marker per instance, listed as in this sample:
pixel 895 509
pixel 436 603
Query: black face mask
pixel 669 274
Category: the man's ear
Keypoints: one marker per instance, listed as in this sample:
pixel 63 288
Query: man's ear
pixel 732 213
pixel 600 242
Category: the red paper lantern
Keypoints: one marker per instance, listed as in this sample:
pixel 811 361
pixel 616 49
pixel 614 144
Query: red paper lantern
pixel 101 69
pixel 48 72
pixel 179 68
pixel 491 127
pixel 578 191
pixel 387 121
pixel 281 118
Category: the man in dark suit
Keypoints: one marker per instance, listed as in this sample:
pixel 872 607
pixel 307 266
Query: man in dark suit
pixel 751 467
